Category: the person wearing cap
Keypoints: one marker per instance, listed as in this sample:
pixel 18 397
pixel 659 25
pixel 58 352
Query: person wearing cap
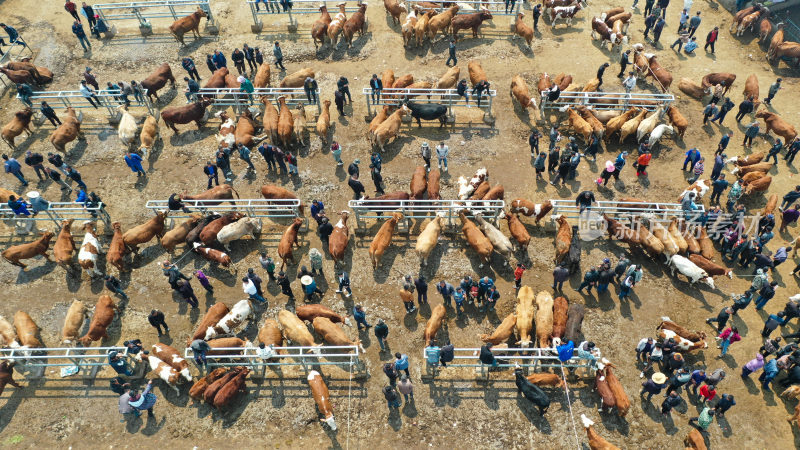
pixel 310 87
pixel 246 86
pixel 376 85
pixel 251 275
pixel 653 386
pixel 156 319
pixel 344 284
pixel 309 287
pixel 285 284
pixel 119 365
pixel 773 89
pixel 446 290
pixel 352 169
pixel 249 288
pixel 360 317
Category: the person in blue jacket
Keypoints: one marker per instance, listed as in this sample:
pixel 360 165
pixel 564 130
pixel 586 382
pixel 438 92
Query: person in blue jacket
pixel 144 401
pixel 134 161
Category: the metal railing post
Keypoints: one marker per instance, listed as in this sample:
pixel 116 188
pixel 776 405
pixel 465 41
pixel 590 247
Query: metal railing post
pixel 172 11
pixel 369 103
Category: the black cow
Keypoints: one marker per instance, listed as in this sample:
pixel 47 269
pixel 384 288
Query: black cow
pixel 428 111
pixel 532 392
pixel 574 322
pixel 573 259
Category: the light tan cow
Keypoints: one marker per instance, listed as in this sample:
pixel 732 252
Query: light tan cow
pixel 73 321
pixel 525 312
pixel 333 334
pixel 502 332
pixel 427 239
pixel 383 239
pixel 435 322
pixel 544 318
pixel 27 330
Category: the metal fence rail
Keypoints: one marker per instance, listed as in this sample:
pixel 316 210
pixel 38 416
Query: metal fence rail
pixel 143 11
pixel 608 100
pixel 274 7
pixel 110 99
pixel 42 358
pixel 528 358
pixel 10 55
pixel 657 212
pixel 239 100
pixel 424 209
pixel 447 97
pixel 259 207
pixel 59 211
pixel 305 357
pixel 472 6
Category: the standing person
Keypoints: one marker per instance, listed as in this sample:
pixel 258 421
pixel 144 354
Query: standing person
pixel 391 373
pixel 278 54
pixel 447 354
pixel 604 278
pixel 422 289
pixel 717 188
pixel 733 195
pixel 699 168
pixel 694 22
pixel 251 275
pixel 72 9
pixel 621 268
pixel 670 402
pixel 310 87
pixel 286 287
pixel 156 319
pixel 377 180
pixel 704 420
pixel 451 54
pixel 555 136
pixel 406 388
pixel 791 152
pixel 533 141
pixel 344 284
pixel 356 186
pixel 711 39
pixel 360 317
pixel 88 94
pixel 707 393
pixel 35 160
pixel 376 85
pixel 753 365
pixel 250 56
pixel 654 385
pixel 425 152
pixel 644 348
pixel 518 272
pixel 392 399
pixel 684 20
pixel 381 333
pixel 249 288
pixel 649 22
pixel 773 151
pixel 432 353
pixel 623 63
pixel 55 176
pixel 199 349
pixel 727 105
pixel 212 66
pixel 486 356
pixel 144 401
pixel 401 363
pixel 267 264
pixel 115 286
pixel 790 197
pixel 642 162
pixel 723 143
pixel 338 99
pixel 788 217
pixel 537 12
pixel 134 162
pixel 186 291
pixel 772 322
pixel 212 173
pixel 324 230
pixel 765 295
pixel 259 57
pixel 539 165
pixel 629 83
pixel 709 111
pixel 728 337
pixel 659 27
pixel 560 275
pixel 50 114
pixel 315 257
pixel 724 404
pixel 77 30
pixel 600 71
pixel 698 377
pixel 446 290
pixel 442 150
pixel 268 153
pixel 291 160
pixel 336 152
pixel 343 85
pixel 625 288
pixel 219 60
pixel 773 89
pixel 746 107
pixel 192 87
pixel 188 65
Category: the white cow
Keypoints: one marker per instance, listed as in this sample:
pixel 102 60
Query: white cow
pixel 647 125
pixel 658 132
pixel 692 272
pixel 238 314
pixel 226 137
pixel 127 127
pixel 682 343
pixel 239 229
pixel 467 187
pixel 500 242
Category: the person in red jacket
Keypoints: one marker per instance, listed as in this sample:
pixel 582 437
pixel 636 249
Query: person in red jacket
pixel 711 39
pixel 518 275
pixel 72 9
pixel 643 162
pixel 707 392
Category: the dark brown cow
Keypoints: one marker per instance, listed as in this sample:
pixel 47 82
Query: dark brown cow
pixel 18 76
pixel 209 233
pixel 185 114
pixel 716 78
pixel 7 376
pixel 467 21
pixel 157 80
pixel 355 23
pixel 217 79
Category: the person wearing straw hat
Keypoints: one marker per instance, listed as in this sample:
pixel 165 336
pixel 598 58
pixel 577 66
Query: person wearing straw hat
pixel 654 385
pixel 37 202
pixel 309 287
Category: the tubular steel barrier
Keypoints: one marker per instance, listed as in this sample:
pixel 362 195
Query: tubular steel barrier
pixel 527 358
pixel 424 209
pixel 654 212
pixel 111 100
pixel 59 211
pixel 289 7
pixel 447 97
pixel 82 357
pixel 10 56
pixel 472 6
pixel 240 100
pixel 259 207
pixel 304 357
pixel 143 11
pixel 608 100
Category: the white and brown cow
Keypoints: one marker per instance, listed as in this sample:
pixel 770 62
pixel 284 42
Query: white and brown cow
pixel 90 248
pixel 563 12
pixel 238 314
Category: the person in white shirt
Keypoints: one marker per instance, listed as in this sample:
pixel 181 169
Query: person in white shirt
pixel 89 94
pixel 442 150
pixel 630 82
pixel 249 288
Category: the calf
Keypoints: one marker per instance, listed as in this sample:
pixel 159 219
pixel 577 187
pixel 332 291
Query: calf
pixel 101 319
pixel 332 333
pixel 337 243
pixel 467 21
pixel 531 391
pixel 157 80
pixel 15 253
pixel 241 311
pixel 18 76
pixel 383 239
pixel 73 321
pixel 228 391
pixel 90 248
pixel 435 322
pixel 213 255
pixel 164 371
pixel 7 376
pixel 322 398
pixel 143 233
pixel 288 241
pixel 193 112
pixel 68 131
pixel 186 24
pixel 21 122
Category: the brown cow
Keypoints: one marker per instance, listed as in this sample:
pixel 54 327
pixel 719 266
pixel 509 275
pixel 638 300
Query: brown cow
pixel 467 21
pixel 27 330
pixel 271 192
pixel 441 22
pixel 518 231
pixel 418 183
pixel 312 311
pixel 228 391
pixel 157 80
pixel 21 122
pixel 217 79
pixel 741 171
pixel 621 232
pixel 7 376
pixel 774 122
pixel 288 241
pixel 596 442
pixel 528 208
pixel 27 65
pixel 476 73
pixel 659 73
pixel 356 22
pixel 546 379
pixel 270 119
pixel 211 391
pixel 141 234
pixel 186 24
pixel 476 239
pixel 116 249
pixel 560 315
pixel 435 322
pixel 677 120
pixel 716 78
pixel 18 76
pixel 184 114
pixel 693 336
pixel 777 39
pixel 15 253
pixel 563 238
pixel 64 248
pixel 388 128
pixel 101 318
pixel 176 235
pixel 213 255
pixel 481 189
pixel 383 239
pixel 694 440
pixel 607 400
pixel 285 123
pixel 520 92
pixel 68 131
pixel 760 185
pixel 524 31
pixel 214 314
pixel 433 184
pixel 338 240
pixel 321 397
pixel 320 28
pixel 199 387
pixel 751 88
pixel 262 78
pixel 209 233
pixel 502 332
pixel 788 50
pixel 221 192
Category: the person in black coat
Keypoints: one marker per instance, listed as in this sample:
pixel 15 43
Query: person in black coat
pixel 377 86
pixel 422 289
pixel 286 285
pixel 185 289
pixel 324 229
pixel 210 64
pixel 746 107
pixel 50 114
pixel 377 179
pixel 356 186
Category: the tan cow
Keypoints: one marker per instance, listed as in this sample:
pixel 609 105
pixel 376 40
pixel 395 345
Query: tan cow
pixel 524 31
pixel 615 124
pixel 596 442
pixel 262 77
pixel 311 311
pixel 433 184
pixel 677 236
pixel 630 127
pixel 295 330
pixel 578 124
pixel 520 92
pixel 68 131
pixel 694 440
pixel 177 235
pixel 270 334
pixel 285 123
pixel 73 322
pixel 27 330
pixel 233 343
pixel 8 335
pixel 187 24
pixel 563 238
pixel 524 323
pixel 560 316
pixel 337 243
pixel 427 239
pixel 544 318
pixel 476 73
pixel 297 79
pixel 476 239
pixel 759 185
pixel 518 231
pixel 502 332
pixel 677 120
pixel 116 249
pixel 324 121
pixel 101 318
pixel 19 123
pixel 422 27
pixel 288 241
pixel 773 122
pixel 149 132
pixel 15 253
pixel 143 233
pixel 64 248
pixel 332 333
pixel 221 192
pixel 438 317
pixel 383 238
pixel 441 22
pixel 270 119
pixel 376 121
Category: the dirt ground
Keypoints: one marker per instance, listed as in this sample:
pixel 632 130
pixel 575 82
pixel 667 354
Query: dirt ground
pixel 281 412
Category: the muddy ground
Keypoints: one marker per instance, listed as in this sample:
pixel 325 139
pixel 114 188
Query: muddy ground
pixel 454 409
